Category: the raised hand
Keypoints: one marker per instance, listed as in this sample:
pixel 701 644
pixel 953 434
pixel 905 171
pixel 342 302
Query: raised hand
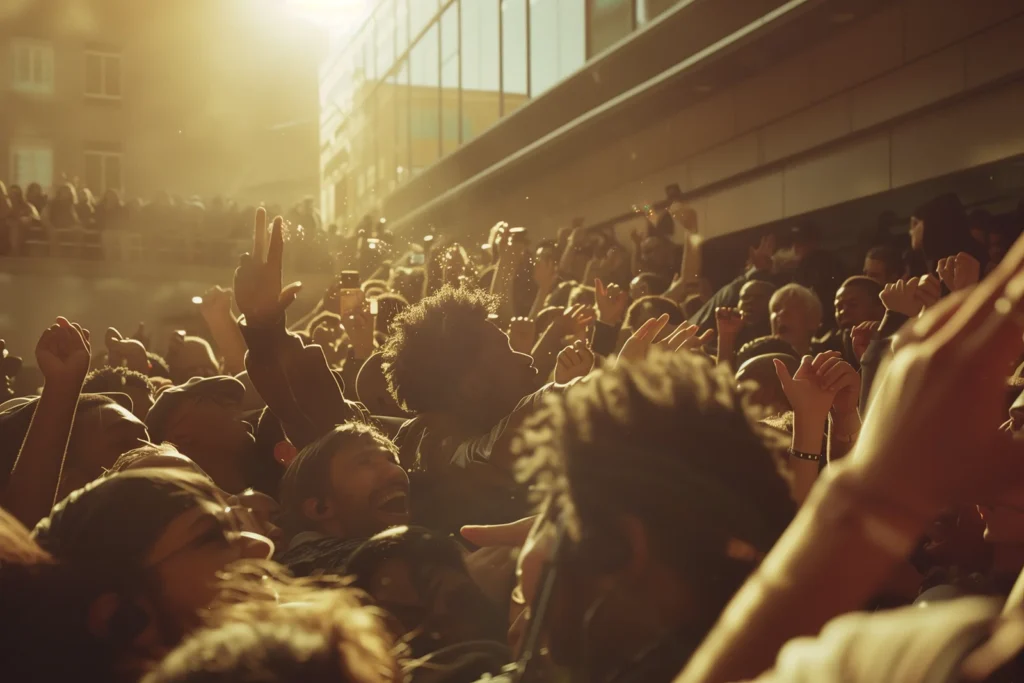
pixel 806 395
pixel 685 338
pixel 729 322
pixel 684 215
pixel 861 336
pixel 522 334
pixel 128 352
pixel 838 377
pixel 930 438
pixel 63 354
pixel 258 290
pixel 639 343
pixel 576 319
pixel 573 361
pixel 902 297
pixel 929 290
pixel 959 272
pixel 612 302
pixel 216 302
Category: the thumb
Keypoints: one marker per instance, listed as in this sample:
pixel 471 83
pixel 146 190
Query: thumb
pixel 289 293
pixel 508 535
pixel 783 373
pixel 599 286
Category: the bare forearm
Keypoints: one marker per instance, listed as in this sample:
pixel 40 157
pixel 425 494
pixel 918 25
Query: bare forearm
pixel 842 435
pixel 807 436
pixel 229 341
pixel 36 474
pixel 841 547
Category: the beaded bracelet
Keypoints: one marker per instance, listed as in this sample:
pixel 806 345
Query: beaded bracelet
pixel 800 455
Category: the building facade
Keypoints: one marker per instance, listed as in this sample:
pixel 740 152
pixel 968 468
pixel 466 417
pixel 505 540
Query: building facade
pixel 191 97
pixel 760 112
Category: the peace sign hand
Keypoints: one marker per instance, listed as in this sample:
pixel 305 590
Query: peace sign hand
pixel 257 285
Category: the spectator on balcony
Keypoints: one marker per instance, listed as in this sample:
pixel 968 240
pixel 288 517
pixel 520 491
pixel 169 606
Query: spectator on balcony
pixel 111 213
pixel 62 213
pixel 86 208
pixel 24 220
pixel 36 197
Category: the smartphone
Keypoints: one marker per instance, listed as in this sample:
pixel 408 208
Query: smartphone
pixel 374 306
pixel 416 259
pixel 372 243
pixel 427 239
pixel 349 279
pixel 197 300
pixel 515 234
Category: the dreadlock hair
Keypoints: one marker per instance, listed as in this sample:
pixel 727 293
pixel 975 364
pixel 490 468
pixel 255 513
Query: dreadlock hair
pixel 430 343
pixel 309 474
pixel 673 442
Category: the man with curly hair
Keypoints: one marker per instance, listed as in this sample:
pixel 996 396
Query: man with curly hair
pixel 448 364
pixel 669 494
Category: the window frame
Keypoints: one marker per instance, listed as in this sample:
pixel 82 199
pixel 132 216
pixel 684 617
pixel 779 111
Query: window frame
pixel 105 155
pixel 18 147
pixel 20 47
pixel 105 56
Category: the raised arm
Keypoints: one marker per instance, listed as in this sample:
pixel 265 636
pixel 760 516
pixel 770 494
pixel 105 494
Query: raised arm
pixel 929 441
pixel 63 354
pixel 216 311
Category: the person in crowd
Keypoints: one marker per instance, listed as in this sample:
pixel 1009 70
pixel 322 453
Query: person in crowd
pixel 189 357
pixel 939 229
pixel 203 419
pixel 112 601
pixel 343 488
pixel 647 284
pixel 796 315
pixel 24 221
pixel 858 301
pixel 450 365
pixel 36 197
pixel 651 307
pixel 761 372
pixel 769 344
pixel 62 213
pixel 668 494
pixel 121 380
pixel 883 265
pixel 419 577
pixel 306 633
pixel 748 321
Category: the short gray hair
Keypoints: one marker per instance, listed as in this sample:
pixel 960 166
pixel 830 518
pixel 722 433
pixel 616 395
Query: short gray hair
pixel 806 296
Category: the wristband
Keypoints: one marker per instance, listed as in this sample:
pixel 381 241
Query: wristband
pixel 800 455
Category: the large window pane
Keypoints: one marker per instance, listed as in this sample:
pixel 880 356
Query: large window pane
pixel 450 79
pixel 420 14
pixel 402 21
pixel 513 15
pixel 480 67
pixel 425 100
pixel 384 20
pixel 387 102
pixel 610 21
pixel 402 123
pixel 557 42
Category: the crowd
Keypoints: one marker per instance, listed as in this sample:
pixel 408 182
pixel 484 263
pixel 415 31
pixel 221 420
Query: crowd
pixel 75 223
pixel 539 461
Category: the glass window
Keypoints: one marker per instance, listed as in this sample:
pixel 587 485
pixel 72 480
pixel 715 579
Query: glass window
pixel 481 104
pixel 450 79
pixel 557 42
pixel 102 171
pixel 516 92
pixel 103 75
pixel 32 66
pixel 420 14
pixel 402 123
pixel 647 10
pixel 385 25
pixel 610 21
pixel 425 99
pixel 386 132
pixel 31 162
pixel 402 23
